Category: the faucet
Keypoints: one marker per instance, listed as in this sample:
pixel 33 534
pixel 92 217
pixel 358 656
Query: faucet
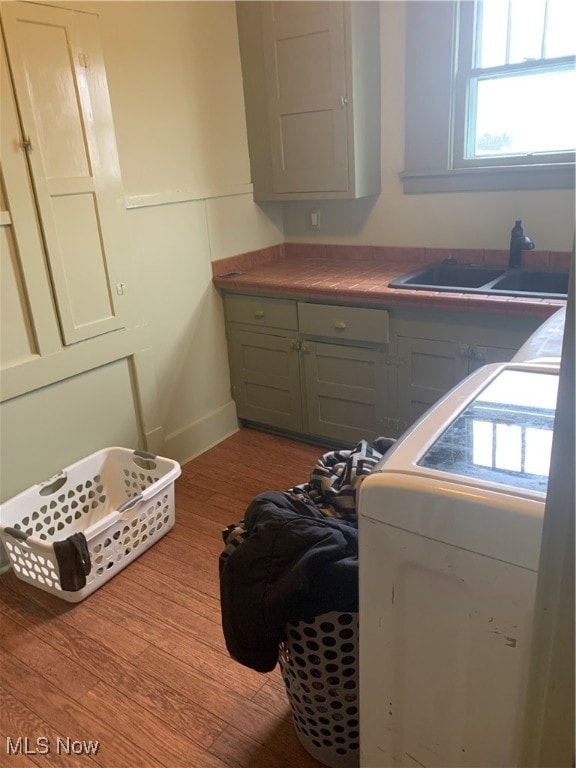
pixel 518 242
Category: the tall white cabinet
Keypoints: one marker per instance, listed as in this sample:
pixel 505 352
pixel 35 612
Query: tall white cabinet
pixel 66 132
pixel 72 362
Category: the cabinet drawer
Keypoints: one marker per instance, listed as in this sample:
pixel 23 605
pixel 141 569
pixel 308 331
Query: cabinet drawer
pixel 257 310
pixel 335 322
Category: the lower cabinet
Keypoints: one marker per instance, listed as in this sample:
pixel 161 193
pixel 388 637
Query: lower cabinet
pixel 344 373
pixel 434 355
pixel 427 369
pixel 265 371
pixel 315 369
pixel 346 391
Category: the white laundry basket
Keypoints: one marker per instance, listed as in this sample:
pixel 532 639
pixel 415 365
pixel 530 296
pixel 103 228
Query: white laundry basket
pixel 319 664
pixel 121 500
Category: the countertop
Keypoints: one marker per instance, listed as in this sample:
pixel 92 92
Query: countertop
pixel 363 281
pixel 545 344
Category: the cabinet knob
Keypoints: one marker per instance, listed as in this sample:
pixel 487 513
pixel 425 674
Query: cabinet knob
pixel 340 325
pixel 259 313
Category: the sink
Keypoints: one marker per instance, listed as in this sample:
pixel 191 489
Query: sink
pixel 468 278
pixel 532 281
pixel 448 277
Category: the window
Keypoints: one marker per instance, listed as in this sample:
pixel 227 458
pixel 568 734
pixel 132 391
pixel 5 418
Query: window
pixel 490 88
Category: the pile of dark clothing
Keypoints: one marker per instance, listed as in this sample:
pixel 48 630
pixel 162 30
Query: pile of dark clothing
pixel 294 556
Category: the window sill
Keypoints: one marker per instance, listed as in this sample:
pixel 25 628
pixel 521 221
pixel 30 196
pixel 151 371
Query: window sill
pixel 489 179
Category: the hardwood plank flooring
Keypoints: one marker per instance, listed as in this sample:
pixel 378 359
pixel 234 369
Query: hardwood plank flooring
pixel 141 666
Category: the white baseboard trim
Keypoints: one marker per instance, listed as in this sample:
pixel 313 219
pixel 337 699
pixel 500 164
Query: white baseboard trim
pixel 196 438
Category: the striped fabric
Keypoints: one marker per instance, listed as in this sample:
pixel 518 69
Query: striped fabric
pixel 335 479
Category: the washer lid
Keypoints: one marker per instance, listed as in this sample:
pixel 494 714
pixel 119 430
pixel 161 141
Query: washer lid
pixel 493 430
pixel 504 435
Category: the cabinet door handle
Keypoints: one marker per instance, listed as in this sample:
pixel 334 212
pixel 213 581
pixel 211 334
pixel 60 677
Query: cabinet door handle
pixel 478 354
pixel 340 325
pixel 259 313
pixel 304 348
pixel 343 101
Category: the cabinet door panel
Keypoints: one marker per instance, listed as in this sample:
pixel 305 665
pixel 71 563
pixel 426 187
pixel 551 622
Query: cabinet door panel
pixel 54 101
pixel 483 355
pixel 66 119
pixel 265 373
pixel 29 325
pixel 428 368
pixel 16 331
pixel 306 87
pixel 88 293
pixel 347 391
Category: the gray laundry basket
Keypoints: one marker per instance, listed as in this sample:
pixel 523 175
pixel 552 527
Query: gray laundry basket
pixel 319 664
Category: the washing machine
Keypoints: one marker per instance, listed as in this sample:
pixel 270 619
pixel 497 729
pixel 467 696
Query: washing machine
pixel 449 537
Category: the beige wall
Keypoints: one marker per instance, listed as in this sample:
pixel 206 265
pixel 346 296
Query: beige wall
pixel 471 220
pixel 176 90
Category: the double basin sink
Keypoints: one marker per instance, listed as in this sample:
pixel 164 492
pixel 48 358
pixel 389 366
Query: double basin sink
pixel 536 282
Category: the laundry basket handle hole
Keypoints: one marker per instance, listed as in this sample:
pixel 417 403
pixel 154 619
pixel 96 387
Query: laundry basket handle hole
pixel 53 485
pixel 144 460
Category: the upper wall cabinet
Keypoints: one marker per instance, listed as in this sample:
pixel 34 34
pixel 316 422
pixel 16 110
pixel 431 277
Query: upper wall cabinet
pixel 311 75
pixel 66 133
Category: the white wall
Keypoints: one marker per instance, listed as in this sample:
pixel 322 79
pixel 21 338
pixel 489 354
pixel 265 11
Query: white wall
pixel 176 90
pixel 467 220
pixel 49 429
pixel 176 93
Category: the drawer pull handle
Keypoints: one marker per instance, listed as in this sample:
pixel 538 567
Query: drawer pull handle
pixel 259 313
pixel 340 325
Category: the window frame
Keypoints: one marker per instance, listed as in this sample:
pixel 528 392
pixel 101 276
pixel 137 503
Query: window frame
pixel 432 68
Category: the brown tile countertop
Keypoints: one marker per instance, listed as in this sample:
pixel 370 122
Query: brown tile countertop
pixel 360 275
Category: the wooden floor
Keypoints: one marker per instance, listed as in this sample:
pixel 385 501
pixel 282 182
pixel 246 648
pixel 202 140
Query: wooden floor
pixel 140 666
